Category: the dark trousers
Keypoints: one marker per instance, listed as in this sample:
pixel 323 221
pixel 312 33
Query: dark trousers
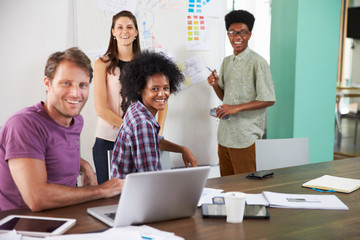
pixel 100 156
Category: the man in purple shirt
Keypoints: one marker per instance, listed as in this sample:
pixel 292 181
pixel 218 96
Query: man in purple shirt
pixel 146 83
pixel 39 146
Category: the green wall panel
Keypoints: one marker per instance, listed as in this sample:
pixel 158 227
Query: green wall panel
pixel 306 88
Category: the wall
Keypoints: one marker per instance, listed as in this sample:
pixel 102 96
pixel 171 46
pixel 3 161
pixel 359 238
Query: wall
pixel 304 53
pixel 355 70
pixel 355 54
pixel 260 38
pixel 32 30
pixel 188 122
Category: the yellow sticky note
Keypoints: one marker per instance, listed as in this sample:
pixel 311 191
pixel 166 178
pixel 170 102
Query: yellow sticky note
pixel 181 66
pixel 187 81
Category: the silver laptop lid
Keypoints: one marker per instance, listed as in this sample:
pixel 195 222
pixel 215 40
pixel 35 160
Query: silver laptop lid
pixel 161 195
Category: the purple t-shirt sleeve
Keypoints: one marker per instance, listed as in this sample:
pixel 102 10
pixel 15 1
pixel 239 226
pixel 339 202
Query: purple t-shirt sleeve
pixel 23 139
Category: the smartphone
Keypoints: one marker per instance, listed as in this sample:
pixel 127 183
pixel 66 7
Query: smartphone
pixel 213 113
pixel 260 174
pixel 219 211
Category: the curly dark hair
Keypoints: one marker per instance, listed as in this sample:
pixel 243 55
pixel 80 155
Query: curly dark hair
pixel 239 16
pixel 137 72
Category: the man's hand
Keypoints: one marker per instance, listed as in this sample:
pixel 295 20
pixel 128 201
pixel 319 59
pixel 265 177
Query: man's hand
pixel 188 158
pixel 112 187
pixel 225 110
pixel 213 79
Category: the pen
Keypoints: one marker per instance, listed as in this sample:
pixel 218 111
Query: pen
pixel 212 71
pixel 148 238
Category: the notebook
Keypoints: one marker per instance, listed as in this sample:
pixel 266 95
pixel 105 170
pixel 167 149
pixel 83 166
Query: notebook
pixel 155 196
pixel 338 184
pixel 298 201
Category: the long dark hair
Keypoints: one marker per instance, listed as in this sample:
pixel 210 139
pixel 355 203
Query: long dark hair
pixel 111 52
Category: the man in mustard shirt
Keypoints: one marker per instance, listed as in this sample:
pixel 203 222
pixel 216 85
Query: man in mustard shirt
pixel 246 88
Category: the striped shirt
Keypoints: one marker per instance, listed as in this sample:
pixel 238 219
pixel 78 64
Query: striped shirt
pixel 136 148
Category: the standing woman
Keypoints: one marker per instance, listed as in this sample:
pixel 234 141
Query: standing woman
pixel 123 45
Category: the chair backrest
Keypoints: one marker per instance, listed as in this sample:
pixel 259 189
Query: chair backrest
pixel 109 154
pixel 279 153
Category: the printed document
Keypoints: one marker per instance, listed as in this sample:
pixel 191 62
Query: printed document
pixel 301 201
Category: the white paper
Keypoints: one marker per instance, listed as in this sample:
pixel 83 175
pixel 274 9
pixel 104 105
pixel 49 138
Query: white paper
pixel 194 71
pixel 122 233
pixel 304 201
pixel 256 199
pixel 211 8
pixel 205 7
pixel 197 33
pixel 208 194
pixel 117 5
pixel 12 235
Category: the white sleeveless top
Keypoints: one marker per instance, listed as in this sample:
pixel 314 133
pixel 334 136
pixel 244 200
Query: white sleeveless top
pixel 103 129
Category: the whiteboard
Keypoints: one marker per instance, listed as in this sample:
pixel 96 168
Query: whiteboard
pixel 162 26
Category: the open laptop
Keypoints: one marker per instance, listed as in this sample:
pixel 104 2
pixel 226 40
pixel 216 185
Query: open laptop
pixel 155 196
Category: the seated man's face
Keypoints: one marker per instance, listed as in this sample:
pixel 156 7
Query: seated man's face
pixel 67 93
pixel 156 93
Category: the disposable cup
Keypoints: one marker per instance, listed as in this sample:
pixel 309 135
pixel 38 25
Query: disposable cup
pixel 235 206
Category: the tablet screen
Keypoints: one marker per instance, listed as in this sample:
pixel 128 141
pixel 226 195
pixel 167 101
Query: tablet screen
pixel 32 225
pixel 36 226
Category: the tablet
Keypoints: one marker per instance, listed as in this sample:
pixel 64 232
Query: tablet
pixel 36 226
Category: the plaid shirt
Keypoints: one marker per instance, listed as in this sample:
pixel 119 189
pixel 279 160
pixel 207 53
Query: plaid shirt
pixel 136 148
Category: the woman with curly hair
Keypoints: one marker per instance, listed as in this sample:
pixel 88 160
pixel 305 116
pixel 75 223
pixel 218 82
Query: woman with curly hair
pixel 124 43
pixel 147 82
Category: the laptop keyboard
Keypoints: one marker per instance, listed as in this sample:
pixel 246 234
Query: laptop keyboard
pixel 111 215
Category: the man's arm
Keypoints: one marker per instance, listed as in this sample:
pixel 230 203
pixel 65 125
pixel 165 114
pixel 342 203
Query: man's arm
pixel 187 156
pixel 30 177
pixel 213 81
pixel 88 177
pixel 226 109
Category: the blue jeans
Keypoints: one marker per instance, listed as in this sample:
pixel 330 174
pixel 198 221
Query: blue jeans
pixel 100 156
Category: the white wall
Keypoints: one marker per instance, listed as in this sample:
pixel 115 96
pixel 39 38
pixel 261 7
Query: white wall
pixel 260 38
pixel 355 70
pixel 188 122
pixel 355 56
pixel 32 30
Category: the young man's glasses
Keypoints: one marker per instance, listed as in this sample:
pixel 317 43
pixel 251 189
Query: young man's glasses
pixel 242 33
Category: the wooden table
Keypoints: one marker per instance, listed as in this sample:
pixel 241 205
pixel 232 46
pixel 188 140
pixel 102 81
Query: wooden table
pixel 283 223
